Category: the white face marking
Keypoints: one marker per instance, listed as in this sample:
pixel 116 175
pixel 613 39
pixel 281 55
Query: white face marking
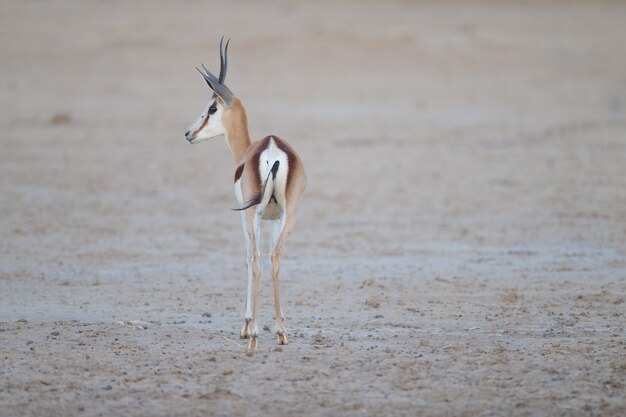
pixel 203 129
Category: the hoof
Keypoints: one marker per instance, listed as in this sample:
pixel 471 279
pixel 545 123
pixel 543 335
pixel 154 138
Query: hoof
pixel 282 339
pixel 245 332
pixel 252 344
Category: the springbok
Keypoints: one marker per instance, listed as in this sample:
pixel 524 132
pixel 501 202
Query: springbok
pixel 269 183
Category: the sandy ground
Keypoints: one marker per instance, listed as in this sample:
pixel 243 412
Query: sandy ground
pixel 461 249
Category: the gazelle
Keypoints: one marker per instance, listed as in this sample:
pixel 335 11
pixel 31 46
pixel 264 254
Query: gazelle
pixel 269 183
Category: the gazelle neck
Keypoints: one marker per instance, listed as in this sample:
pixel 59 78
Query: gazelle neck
pixel 236 123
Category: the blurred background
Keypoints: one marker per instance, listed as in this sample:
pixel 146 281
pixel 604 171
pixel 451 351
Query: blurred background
pixel 490 120
pixel 478 144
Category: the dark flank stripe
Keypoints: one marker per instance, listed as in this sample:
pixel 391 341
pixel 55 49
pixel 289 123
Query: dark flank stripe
pixel 256 159
pixel 239 171
pixel 291 158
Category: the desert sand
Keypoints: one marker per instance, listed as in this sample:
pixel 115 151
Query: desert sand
pixel 460 250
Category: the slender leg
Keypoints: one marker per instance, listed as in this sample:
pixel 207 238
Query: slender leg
pixel 254 220
pixel 281 230
pixel 245 330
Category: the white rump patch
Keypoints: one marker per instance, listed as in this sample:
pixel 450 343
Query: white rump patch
pixel 266 161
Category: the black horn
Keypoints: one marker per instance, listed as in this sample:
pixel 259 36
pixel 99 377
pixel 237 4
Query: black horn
pixel 223 61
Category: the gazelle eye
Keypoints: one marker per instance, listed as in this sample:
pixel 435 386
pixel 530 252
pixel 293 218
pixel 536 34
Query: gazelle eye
pixel 212 109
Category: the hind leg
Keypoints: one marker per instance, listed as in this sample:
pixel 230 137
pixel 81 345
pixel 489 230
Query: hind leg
pixel 275 247
pixel 253 220
pixel 247 318
pixel 281 230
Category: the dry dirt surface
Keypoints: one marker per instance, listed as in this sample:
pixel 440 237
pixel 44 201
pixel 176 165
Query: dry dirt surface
pixel 460 251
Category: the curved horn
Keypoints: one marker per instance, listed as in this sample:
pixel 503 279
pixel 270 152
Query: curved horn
pixel 220 89
pixel 223 61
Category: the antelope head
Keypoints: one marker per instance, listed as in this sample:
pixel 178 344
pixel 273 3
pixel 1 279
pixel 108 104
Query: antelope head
pixel 209 124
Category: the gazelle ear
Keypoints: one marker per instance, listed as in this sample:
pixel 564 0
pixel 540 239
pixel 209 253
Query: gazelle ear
pixel 206 77
pixel 221 90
